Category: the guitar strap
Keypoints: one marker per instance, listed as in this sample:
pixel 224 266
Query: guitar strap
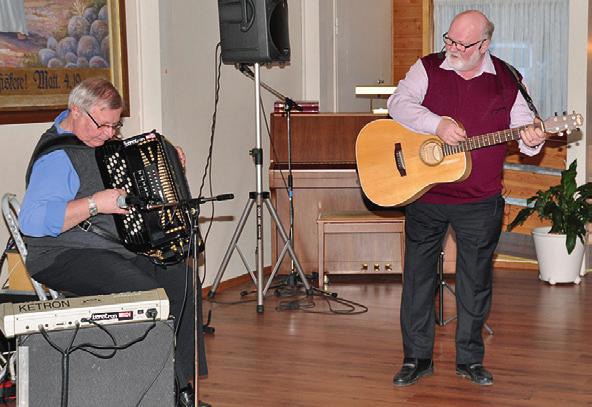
pixel 88 226
pixel 523 90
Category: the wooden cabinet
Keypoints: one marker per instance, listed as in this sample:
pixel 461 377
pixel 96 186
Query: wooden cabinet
pixel 360 242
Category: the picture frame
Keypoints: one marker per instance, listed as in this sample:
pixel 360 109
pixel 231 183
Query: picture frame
pixel 39 68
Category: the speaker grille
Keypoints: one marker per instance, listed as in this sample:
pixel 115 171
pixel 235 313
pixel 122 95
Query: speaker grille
pixel 254 31
pixel 144 367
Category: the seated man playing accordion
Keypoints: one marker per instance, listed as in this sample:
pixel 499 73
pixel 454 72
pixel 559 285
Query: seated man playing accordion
pixel 65 189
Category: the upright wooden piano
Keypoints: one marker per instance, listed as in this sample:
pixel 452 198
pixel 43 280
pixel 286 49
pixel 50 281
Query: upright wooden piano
pixel 325 180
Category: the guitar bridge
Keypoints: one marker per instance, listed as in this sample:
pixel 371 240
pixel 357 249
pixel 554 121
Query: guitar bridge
pixel 399 160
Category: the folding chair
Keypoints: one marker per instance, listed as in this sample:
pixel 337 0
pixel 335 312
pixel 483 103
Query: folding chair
pixel 10 209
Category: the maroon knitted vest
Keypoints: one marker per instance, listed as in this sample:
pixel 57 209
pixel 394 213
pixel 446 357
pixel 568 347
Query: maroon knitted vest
pixel 482 105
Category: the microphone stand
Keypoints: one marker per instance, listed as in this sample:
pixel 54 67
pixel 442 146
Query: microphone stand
pixel 192 208
pixel 289 105
pixel 193 213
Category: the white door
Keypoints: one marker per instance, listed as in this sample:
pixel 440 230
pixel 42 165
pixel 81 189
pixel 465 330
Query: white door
pixel 362 35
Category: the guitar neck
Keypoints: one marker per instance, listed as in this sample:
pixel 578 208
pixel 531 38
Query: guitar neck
pixel 486 140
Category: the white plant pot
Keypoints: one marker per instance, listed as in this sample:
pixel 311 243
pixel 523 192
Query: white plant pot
pixel 555 264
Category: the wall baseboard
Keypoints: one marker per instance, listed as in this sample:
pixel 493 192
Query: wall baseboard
pixel 235 281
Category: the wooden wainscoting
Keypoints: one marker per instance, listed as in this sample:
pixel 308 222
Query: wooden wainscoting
pixel 412 34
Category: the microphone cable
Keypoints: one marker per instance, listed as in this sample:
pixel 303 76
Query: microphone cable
pixel 305 303
pixel 86 348
pixel 208 167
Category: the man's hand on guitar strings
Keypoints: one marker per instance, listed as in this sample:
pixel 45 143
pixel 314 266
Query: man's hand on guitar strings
pixel 450 132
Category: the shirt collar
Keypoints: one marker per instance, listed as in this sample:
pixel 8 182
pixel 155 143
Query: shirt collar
pixel 58 121
pixel 486 66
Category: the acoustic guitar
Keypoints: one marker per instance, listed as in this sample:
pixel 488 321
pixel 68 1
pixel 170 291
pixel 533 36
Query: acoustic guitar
pixel 396 166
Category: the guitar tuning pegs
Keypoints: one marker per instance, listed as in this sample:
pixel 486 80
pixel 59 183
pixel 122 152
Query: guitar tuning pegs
pixel 564 113
pixel 555 113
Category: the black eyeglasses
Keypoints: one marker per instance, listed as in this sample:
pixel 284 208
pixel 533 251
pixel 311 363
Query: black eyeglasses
pixel 459 46
pixel 115 127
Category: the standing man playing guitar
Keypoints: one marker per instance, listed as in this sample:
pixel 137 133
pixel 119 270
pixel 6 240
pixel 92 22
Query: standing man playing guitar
pixel 464 84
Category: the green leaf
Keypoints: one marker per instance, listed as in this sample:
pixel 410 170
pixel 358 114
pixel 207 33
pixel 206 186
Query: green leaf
pixel 568 181
pixel 570 243
pixel 520 218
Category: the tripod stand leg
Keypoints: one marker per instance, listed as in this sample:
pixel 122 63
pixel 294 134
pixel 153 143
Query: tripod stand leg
pixel 287 242
pixel 259 252
pixel 246 264
pixel 275 268
pixel 237 232
pixel 442 284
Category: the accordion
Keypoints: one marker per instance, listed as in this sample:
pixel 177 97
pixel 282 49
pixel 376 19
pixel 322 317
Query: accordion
pixel 148 167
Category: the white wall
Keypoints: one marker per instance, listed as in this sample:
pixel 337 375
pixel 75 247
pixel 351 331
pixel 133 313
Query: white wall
pixel 577 80
pixel 577 88
pixel 355 44
pixel 363 51
pixel 189 34
pixel 143 41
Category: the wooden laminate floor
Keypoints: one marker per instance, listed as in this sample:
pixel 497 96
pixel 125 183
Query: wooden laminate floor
pixel 540 354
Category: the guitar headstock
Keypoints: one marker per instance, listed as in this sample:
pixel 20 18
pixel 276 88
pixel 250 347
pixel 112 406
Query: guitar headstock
pixel 563 124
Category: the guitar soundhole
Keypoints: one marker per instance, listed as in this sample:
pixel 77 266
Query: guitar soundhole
pixel 431 152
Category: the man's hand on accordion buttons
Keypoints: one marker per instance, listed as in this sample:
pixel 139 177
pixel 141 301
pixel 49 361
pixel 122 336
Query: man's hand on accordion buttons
pixel 107 201
pixel 181 156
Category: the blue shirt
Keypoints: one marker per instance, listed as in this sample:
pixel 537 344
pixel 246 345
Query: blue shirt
pixel 53 183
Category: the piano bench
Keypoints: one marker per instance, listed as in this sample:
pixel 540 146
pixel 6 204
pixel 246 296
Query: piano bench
pixel 372 246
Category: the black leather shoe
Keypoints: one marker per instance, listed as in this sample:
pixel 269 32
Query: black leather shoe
pixel 476 373
pixel 186 399
pixel 412 370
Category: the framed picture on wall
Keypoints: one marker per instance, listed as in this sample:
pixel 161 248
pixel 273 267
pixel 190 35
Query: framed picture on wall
pixel 47 47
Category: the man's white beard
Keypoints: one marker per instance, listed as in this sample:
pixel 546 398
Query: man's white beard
pixel 462 65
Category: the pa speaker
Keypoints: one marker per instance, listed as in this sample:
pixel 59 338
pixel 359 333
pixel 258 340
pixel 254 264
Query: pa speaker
pixel 254 31
pixel 141 374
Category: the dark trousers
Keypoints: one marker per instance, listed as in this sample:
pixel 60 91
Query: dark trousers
pixel 97 272
pixel 477 227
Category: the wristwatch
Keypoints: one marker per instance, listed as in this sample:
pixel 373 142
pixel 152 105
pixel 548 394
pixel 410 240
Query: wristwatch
pixel 92 207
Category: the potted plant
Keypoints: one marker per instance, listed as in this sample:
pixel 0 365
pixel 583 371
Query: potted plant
pixel 560 247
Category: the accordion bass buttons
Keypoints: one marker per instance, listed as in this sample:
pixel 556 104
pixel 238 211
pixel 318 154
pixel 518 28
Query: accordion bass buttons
pixel 147 166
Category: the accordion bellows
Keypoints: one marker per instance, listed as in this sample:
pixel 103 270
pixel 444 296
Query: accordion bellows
pixel 147 166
